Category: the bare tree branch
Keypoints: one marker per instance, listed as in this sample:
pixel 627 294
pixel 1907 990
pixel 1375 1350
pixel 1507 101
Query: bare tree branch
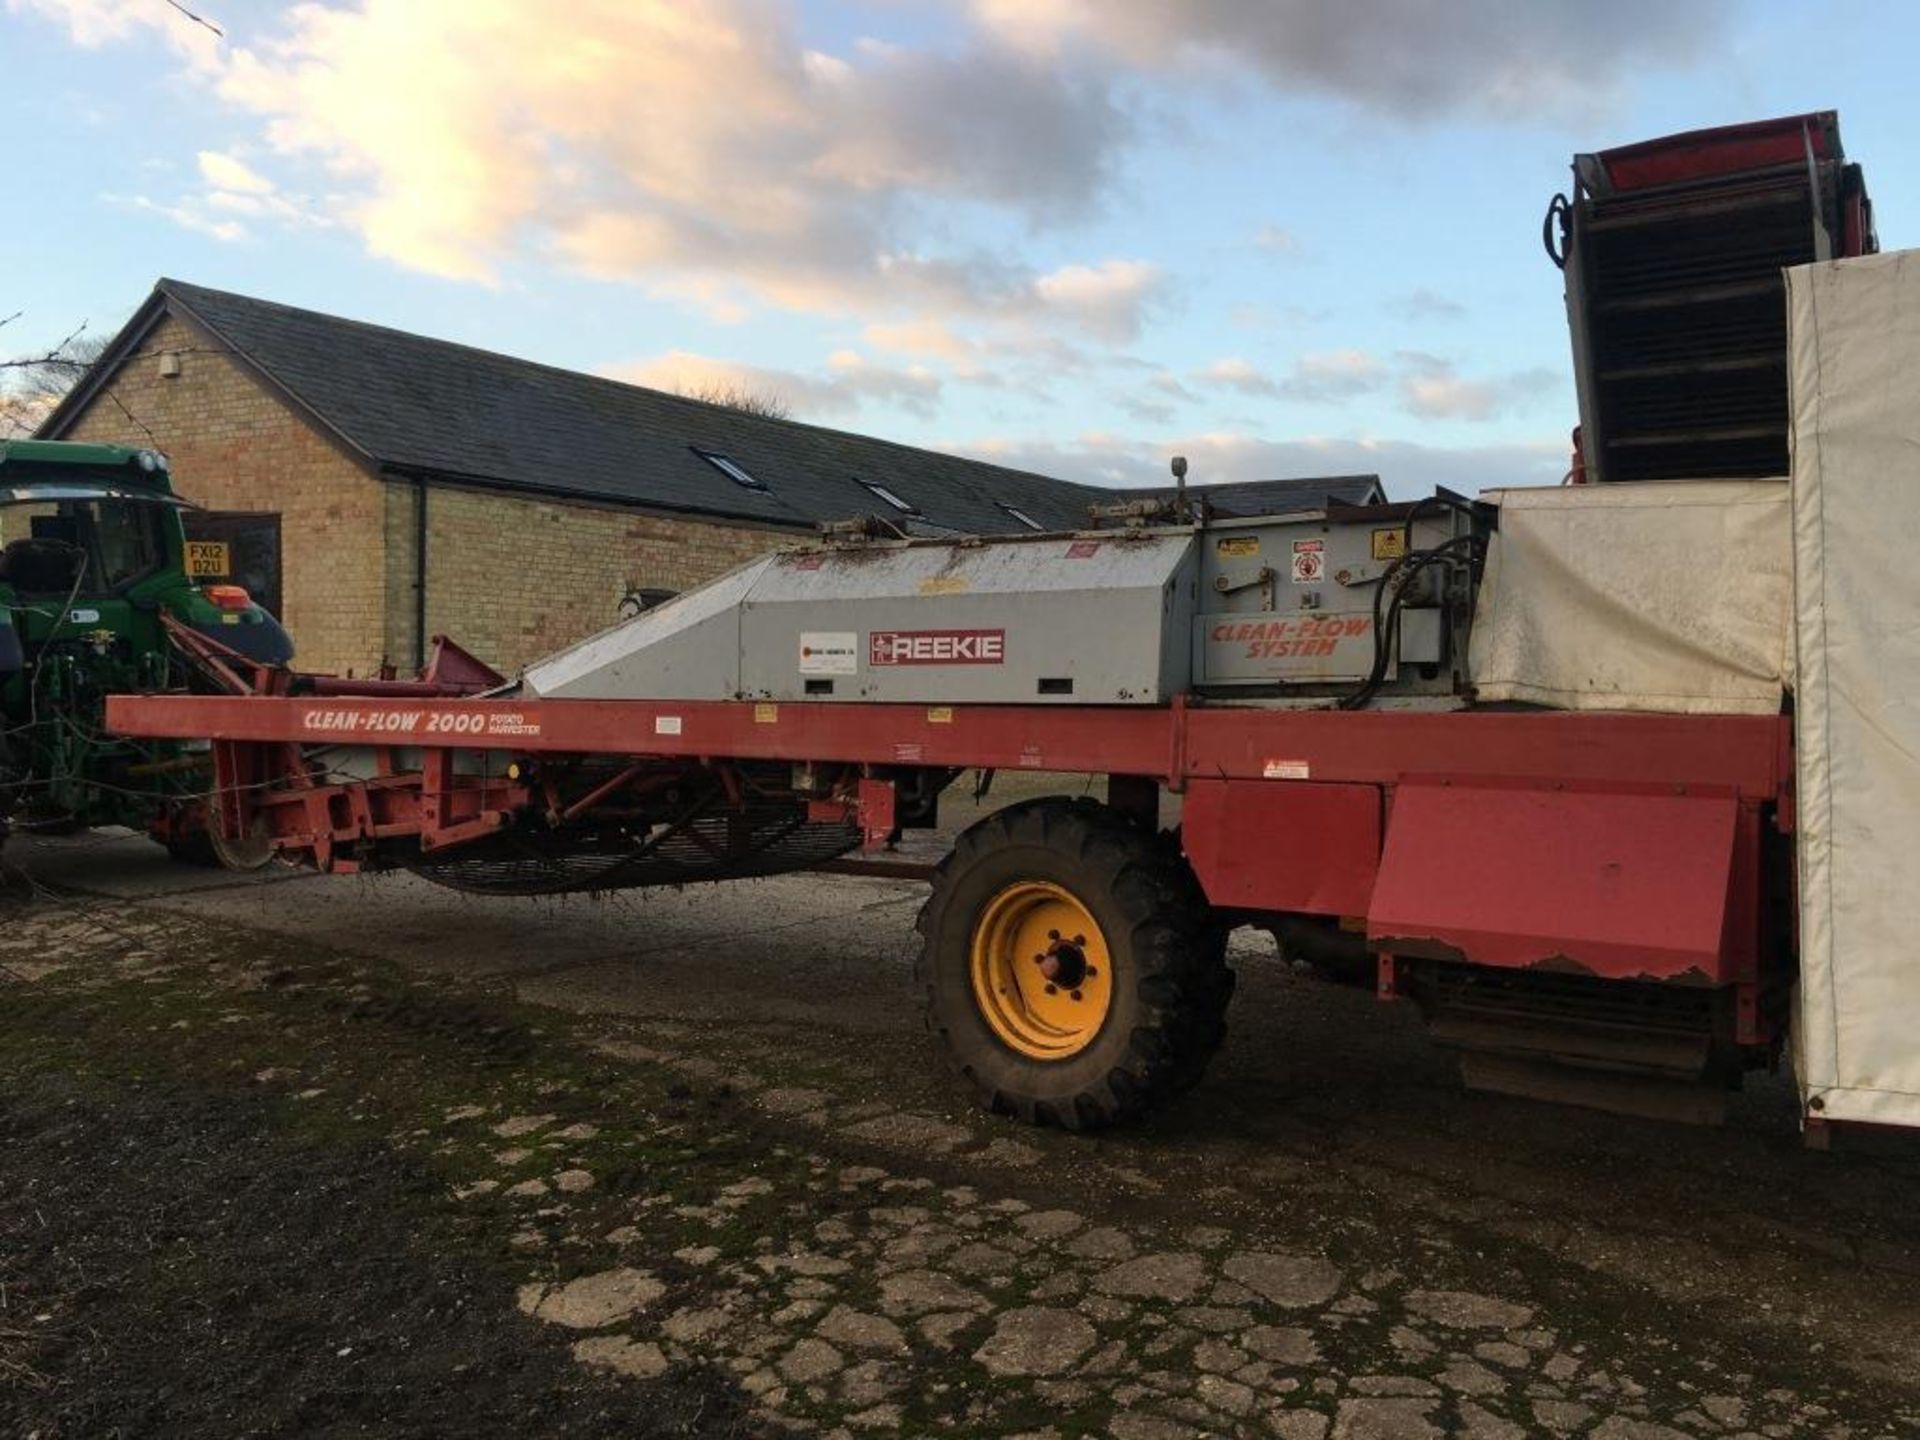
pixel 61 355
pixel 31 385
pixel 731 395
pixel 200 20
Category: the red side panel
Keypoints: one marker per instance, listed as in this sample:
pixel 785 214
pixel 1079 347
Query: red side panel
pixel 1727 150
pixel 1286 845
pixel 1627 886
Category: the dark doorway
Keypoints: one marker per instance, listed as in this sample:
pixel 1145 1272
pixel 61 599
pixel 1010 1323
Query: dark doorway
pixel 237 548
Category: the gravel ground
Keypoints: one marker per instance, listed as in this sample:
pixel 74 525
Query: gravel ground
pixel 684 1161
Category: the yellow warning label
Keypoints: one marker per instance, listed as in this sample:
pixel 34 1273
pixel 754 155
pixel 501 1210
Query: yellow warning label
pixel 940 715
pixel 766 714
pixel 208 557
pixel 944 585
pixel 1389 544
pixel 1231 547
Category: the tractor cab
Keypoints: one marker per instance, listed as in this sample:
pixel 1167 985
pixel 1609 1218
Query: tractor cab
pixel 92 557
pixel 100 524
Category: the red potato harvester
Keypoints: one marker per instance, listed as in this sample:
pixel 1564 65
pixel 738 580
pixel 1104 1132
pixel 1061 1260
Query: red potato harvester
pixel 1596 776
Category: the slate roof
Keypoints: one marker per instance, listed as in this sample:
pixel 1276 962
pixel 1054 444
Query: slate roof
pixel 1277 497
pixel 418 407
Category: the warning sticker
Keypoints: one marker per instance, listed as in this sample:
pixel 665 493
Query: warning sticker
pixel 1309 562
pixel 1389 544
pixel 1083 549
pixel 766 714
pixel 1234 547
pixel 829 652
pixel 666 724
pixel 937 647
pixel 1287 770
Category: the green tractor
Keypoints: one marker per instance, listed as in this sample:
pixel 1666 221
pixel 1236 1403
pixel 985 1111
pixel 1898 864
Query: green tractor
pixel 93 585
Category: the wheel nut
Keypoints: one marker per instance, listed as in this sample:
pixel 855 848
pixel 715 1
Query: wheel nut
pixel 1053 934
pixel 1053 989
pixel 1092 974
pixel 1075 995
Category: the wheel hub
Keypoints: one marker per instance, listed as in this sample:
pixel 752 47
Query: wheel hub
pixel 1064 962
pixel 1041 970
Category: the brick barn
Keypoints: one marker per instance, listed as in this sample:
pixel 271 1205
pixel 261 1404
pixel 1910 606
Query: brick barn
pixel 377 488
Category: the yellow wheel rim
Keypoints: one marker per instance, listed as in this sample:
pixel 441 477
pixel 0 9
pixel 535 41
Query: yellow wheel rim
pixel 1042 973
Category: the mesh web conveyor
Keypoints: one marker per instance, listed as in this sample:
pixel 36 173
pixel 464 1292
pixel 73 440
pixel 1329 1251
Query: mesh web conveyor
pixel 713 843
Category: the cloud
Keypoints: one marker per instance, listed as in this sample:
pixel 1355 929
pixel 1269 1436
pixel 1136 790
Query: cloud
pixel 1407 59
pixel 934 338
pixel 697 147
pixel 1408 469
pixel 914 388
pixel 232 193
pixel 849 382
pixel 1333 375
pixel 1108 301
pixel 93 23
pixel 1145 409
pixel 1159 402
pixel 231 174
pixel 1424 304
pixel 1234 373
pixel 189 214
pixel 712 153
pixel 1277 240
pixel 985 123
pixel 1441 397
pixel 991 361
pixel 1430 387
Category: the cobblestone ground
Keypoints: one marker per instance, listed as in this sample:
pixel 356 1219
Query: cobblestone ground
pixel 863 1259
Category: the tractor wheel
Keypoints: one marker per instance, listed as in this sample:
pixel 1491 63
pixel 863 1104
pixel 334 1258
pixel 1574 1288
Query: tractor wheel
pixel 1071 965
pixel 216 852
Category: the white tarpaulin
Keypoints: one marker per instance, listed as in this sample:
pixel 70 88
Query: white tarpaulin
pixel 1671 596
pixel 1854 328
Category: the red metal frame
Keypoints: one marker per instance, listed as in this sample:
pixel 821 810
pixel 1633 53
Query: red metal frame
pixel 1623 846
pixel 1724 150
pixel 1741 754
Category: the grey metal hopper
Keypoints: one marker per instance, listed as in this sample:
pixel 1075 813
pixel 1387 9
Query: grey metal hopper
pixel 1098 619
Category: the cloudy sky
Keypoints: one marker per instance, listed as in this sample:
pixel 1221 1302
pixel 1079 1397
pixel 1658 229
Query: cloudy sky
pixel 1280 236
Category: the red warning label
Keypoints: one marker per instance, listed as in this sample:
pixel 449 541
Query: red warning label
pixel 1309 561
pixel 937 647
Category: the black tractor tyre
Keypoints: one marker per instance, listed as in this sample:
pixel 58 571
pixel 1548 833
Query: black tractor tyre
pixel 193 849
pixel 207 851
pixel 1170 981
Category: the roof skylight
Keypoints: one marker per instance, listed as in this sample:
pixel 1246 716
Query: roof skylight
pixel 730 468
pixel 1022 516
pixel 892 499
